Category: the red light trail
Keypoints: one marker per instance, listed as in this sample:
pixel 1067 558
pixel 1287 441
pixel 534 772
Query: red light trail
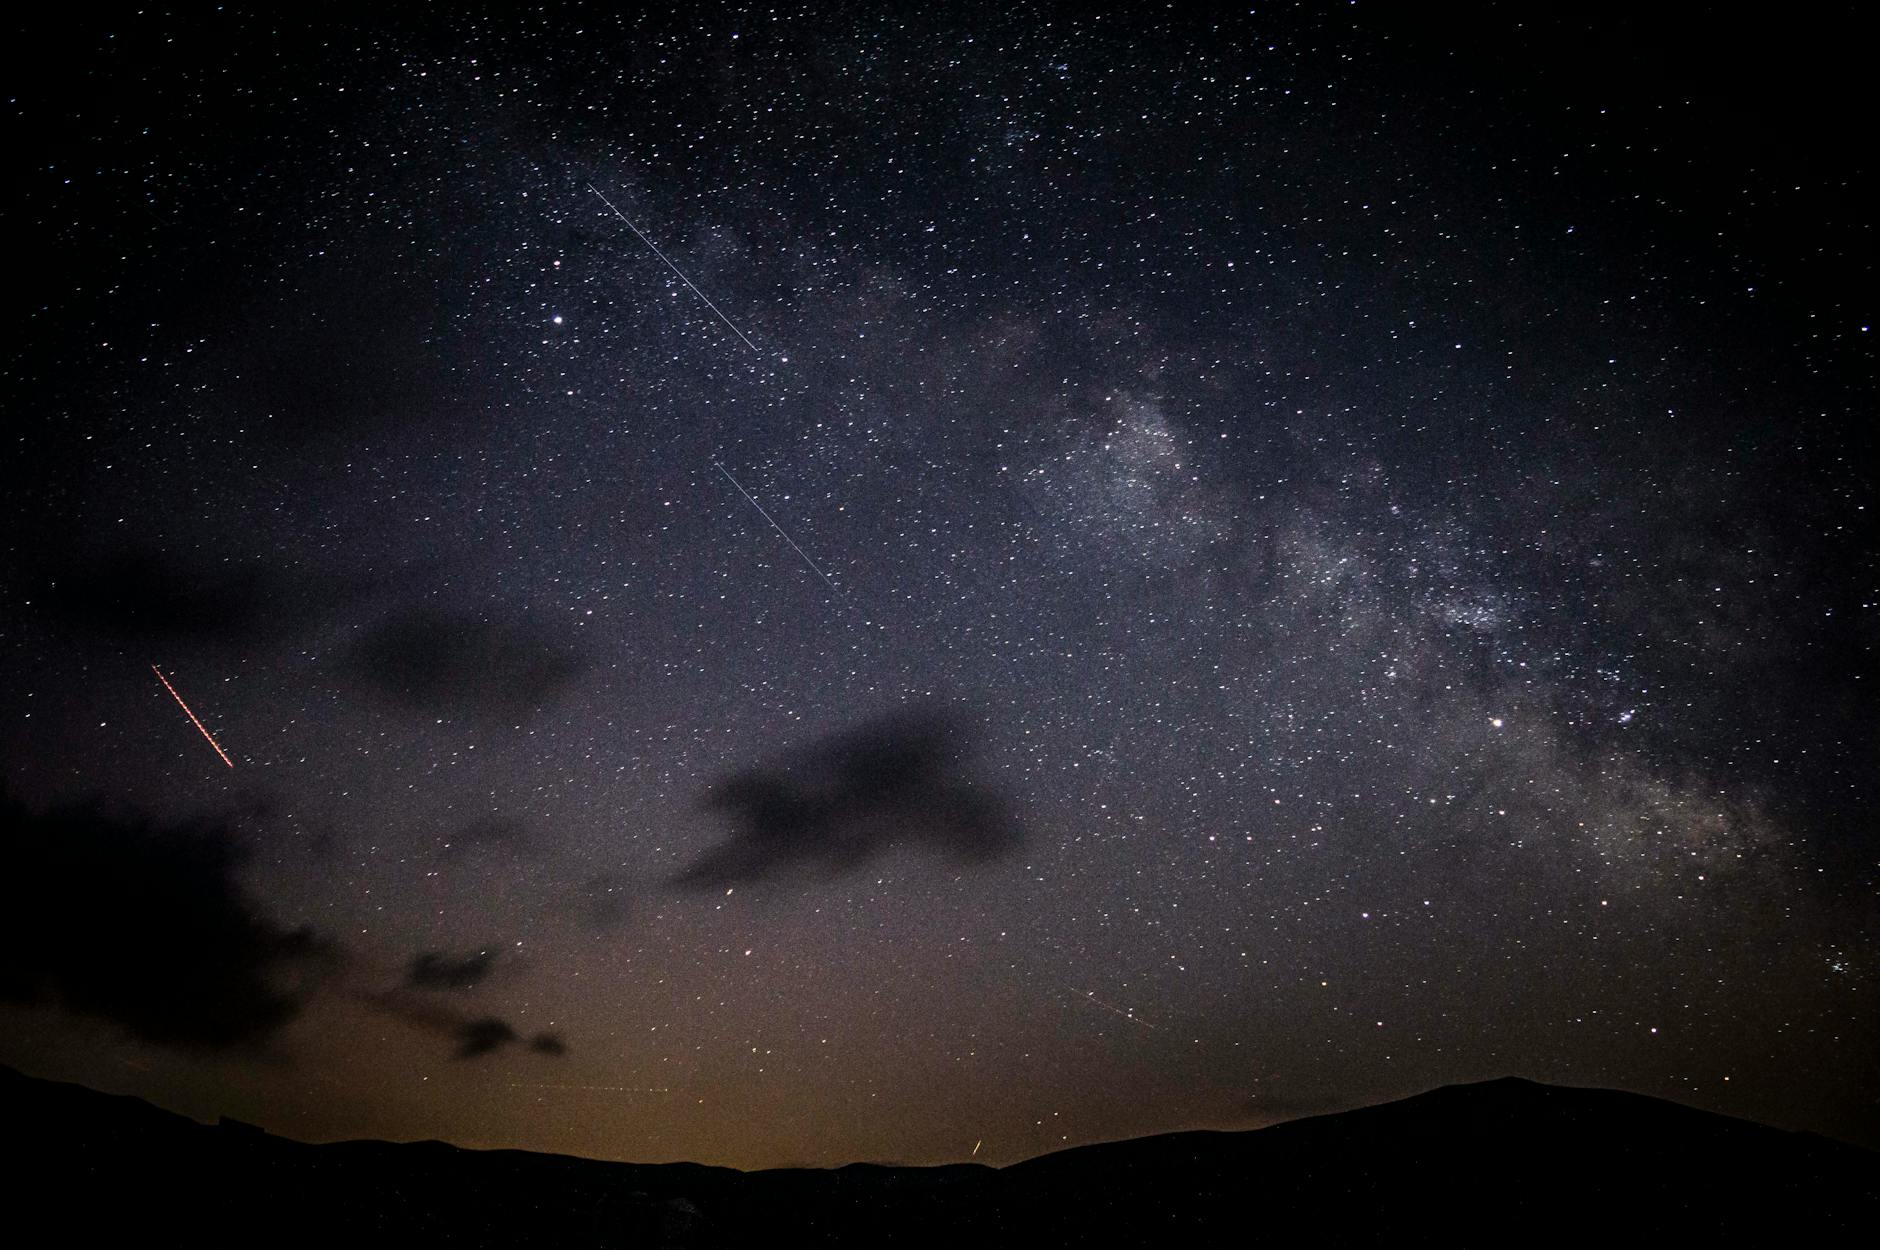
pixel 192 716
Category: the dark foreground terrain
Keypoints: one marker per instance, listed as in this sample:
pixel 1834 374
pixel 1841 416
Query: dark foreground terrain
pixel 1501 1163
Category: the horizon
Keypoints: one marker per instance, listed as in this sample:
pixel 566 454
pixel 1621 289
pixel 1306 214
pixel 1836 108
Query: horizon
pixel 1502 1082
pixel 793 587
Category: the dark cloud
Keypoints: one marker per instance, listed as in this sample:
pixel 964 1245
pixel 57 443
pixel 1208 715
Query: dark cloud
pixel 445 661
pixel 482 1036
pixel 488 1034
pixel 145 926
pixel 473 1035
pixel 142 594
pixel 837 804
pixel 434 970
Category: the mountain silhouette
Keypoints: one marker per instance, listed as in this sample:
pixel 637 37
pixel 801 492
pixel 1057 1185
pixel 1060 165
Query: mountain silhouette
pixel 1507 1162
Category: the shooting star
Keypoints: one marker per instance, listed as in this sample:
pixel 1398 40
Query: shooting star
pixel 192 716
pixel 655 250
pixel 773 525
pixel 1124 1012
pixel 604 1089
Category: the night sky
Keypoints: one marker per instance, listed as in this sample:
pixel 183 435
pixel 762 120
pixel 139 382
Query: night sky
pixel 846 583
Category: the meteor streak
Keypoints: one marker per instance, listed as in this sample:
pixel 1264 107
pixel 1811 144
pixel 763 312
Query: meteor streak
pixel 743 338
pixel 606 1089
pixel 192 716
pixel 773 525
pixel 1124 1012
pixel 655 250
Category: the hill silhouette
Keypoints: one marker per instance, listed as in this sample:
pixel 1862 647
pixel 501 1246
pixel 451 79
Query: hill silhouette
pixel 1497 1163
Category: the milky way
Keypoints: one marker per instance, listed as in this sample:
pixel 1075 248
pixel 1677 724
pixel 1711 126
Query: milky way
pixel 1333 561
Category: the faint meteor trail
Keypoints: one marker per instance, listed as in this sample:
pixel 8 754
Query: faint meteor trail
pixel 604 1089
pixel 773 525
pixel 743 338
pixel 1124 1012
pixel 655 250
pixel 192 716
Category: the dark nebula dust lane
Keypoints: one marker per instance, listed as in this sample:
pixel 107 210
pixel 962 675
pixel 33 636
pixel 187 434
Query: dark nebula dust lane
pixel 801 586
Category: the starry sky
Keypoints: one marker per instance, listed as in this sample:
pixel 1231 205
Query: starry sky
pixel 800 585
